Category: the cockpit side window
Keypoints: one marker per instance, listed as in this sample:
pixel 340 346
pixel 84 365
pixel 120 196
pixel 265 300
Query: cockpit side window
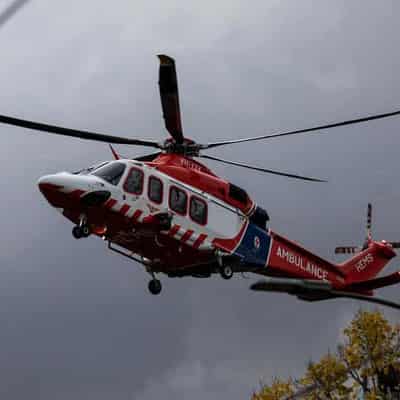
pixel 134 181
pixel 111 172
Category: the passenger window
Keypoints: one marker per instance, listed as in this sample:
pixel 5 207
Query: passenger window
pixel 155 190
pixel 198 210
pixel 134 181
pixel 178 200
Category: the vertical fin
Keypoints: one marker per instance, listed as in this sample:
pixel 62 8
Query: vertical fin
pixel 368 263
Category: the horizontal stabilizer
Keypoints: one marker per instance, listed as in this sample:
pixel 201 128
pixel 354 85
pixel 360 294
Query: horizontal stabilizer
pixel 377 283
pixel 291 286
pixel 318 290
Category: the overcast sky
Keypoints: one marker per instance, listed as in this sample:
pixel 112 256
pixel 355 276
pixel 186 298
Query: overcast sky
pixel 76 321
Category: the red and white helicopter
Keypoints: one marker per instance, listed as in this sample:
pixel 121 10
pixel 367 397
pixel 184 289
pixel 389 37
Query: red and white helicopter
pixel 173 215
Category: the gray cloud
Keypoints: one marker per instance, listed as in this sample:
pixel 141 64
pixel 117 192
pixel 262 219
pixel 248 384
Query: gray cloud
pixel 76 321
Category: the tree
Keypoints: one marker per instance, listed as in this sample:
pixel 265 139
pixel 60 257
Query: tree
pixel 367 363
pixel 371 352
pixel 278 390
pixel 327 378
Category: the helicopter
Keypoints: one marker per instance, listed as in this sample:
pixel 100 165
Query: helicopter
pixel 172 214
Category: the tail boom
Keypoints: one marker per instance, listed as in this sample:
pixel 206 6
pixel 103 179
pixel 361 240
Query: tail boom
pixel 289 258
pixel 286 258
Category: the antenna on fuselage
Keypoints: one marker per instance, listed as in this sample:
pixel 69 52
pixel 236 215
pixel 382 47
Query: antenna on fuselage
pixel 114 153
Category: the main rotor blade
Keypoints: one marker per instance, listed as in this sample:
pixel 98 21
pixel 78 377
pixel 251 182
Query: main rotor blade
pixel 376 300
pixel 269 171
pixel 147 157
pixel 11 10
pixel 316 128
pixel 58 130
pixel 169 97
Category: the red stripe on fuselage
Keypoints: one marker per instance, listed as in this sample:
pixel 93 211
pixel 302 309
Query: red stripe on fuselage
pixel 186 236
pixel 174 230
pixel 231 245
pixel 110 203
pixel 199 241
pixel 124 209
pixel 136 215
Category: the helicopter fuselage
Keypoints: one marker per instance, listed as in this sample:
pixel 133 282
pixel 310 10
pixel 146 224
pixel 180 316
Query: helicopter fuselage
pixel 175 216
pixel 125 210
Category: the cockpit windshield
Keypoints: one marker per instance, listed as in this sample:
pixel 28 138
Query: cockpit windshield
pixel 111 173
pixel 88 170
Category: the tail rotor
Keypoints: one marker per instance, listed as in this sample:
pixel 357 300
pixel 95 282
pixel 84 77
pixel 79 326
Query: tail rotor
pixel 347 249
pixel 368 238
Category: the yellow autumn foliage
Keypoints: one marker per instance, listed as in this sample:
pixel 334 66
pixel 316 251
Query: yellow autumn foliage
pixel 278 390
pixel 329 377
pixel 366 364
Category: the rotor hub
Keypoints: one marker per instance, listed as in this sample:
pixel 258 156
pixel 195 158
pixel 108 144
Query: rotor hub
pixel 187 148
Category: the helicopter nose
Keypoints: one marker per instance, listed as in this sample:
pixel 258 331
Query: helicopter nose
pixel 50 186
pixel 49 182
pixel 65 190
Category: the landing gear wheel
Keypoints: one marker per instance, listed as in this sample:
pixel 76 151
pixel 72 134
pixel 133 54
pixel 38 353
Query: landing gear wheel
pixel 155 286
pixel 85 230
pixel 226 272
pixel 77 232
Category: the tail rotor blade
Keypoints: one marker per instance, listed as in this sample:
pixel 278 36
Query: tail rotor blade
pixel 347 250
pixel 369 220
